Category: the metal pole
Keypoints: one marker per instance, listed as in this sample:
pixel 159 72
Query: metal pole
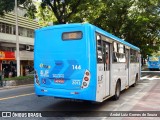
pixel 17 41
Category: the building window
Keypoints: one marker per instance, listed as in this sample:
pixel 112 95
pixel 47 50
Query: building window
pixel 3 28
pixel 11 29
pixel 21 31
pixel 8 29
pixel 30 33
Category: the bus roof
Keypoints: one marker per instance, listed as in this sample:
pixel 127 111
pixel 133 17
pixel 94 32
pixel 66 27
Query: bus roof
pixel 99 30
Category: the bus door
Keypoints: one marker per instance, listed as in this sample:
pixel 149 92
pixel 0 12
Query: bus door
pixel 103 67
pixel 127 68
pixel 106 52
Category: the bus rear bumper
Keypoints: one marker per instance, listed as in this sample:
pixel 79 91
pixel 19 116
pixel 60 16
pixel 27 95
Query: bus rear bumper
pixel 82 94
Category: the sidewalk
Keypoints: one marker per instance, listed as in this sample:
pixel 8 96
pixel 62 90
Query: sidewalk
pixel 149 103
pixel 151 100
pixel 144 67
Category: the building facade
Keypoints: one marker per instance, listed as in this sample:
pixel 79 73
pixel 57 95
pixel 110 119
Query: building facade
pixel 26 29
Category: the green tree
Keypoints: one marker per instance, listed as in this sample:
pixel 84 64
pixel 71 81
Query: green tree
pixel 135 21
pixel 45 16
pixel 113 16
pixel 62 9
pixel 30 8
pixel 8 5
pixel 88 11
pixel 144 26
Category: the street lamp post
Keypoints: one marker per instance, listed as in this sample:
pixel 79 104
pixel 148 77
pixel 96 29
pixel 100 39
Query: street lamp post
pixel 17 41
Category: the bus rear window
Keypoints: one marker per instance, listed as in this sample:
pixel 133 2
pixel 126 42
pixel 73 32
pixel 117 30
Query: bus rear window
pixel 77 35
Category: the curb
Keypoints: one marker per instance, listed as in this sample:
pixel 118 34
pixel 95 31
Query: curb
pixel 9 84
pixel 16 82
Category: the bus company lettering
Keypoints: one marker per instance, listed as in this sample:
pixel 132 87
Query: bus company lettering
pixel 44 66
pixel 100 68
pixel 100 78
pixel 44 73
pixel 58 75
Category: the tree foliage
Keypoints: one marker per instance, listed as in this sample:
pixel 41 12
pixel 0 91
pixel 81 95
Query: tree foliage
pixel 45 16
pixel 136 21
pixel 145 26
pixel 30 8
pixel 8 5
pixel 62 9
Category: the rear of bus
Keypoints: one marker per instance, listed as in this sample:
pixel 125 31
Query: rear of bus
pixel 63 63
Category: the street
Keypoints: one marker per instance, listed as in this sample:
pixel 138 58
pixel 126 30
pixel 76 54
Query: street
pixel 144 97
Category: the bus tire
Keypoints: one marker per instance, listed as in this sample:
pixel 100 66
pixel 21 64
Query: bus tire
pixel 136 80
pixel 117 90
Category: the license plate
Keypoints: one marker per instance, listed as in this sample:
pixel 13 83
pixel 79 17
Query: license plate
pixel 61 81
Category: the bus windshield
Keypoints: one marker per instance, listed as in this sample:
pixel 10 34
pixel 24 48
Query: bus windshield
pixel 153 59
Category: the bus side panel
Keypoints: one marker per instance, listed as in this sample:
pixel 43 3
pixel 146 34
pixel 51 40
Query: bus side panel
pixel 134 70
pixel 119 73
pixel 91 44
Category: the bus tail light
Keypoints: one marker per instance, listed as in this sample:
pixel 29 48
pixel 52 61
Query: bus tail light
pixel 87 73
pixel 36 78
pixel 86 79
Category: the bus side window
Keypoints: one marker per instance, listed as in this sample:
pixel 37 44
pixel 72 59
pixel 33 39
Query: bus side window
pixel 99 49
pixel 115 51
pixel 114 57
pixel 99 59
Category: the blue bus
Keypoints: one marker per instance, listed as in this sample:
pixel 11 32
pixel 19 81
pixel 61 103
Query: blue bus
pixel 83 62
pixel 153 63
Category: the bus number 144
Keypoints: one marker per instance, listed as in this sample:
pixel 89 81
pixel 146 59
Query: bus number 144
pixel 76 67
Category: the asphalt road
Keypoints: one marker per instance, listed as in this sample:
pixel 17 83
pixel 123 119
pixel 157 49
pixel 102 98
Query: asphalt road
pixel 23 99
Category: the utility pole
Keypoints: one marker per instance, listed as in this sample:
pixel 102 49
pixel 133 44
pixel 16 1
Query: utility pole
pixel 17 41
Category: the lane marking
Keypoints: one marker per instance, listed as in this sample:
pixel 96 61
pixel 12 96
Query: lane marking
pixel 7 98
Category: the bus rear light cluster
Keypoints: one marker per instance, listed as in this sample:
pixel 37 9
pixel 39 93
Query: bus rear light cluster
pixel 86 79
pixel 84 84
pixel 36 78
pixel 87 73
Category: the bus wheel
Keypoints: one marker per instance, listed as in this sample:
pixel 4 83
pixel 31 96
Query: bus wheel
pixel 136 80
pixel 117 90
